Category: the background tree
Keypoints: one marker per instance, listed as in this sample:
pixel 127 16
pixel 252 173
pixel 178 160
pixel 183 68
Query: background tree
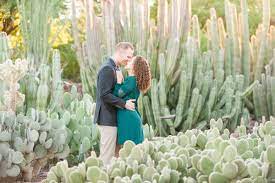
pixel 8 16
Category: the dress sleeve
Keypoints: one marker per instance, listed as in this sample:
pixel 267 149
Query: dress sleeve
pixel 123 89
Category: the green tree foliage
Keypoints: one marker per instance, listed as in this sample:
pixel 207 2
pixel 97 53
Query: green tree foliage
pixel 8 16
pixel 69 62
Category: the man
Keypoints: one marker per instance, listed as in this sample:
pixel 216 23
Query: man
pixel 106 102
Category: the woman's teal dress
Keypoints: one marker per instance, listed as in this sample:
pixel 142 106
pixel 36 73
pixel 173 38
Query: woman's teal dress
pixel 129 123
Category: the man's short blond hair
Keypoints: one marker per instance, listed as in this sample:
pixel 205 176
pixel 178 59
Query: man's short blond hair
pixel 124 46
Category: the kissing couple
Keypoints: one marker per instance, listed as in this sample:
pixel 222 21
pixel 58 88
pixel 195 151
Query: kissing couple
pixel 116 113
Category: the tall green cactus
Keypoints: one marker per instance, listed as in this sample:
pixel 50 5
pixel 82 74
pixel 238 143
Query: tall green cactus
pixel 36 19
pixel 182 99
pixel 156 109
pixel 261 59
pixel 4 47
pixel 162 85
pixel 4 55
pixel 43 89
pixel 245 42
pixel 232 57
pixel 214 37
pixel 57 83
pixel 263 95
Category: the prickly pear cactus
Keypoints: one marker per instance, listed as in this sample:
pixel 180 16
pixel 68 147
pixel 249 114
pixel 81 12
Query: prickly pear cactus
pixel 28 142
pixel 194 156
pixel 68 114
pixel 83 133
pixel 90 170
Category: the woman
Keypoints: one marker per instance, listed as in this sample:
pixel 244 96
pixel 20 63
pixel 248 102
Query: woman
pixel 129 123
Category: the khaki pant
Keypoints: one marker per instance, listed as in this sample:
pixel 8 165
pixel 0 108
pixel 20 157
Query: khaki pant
pixel 108 137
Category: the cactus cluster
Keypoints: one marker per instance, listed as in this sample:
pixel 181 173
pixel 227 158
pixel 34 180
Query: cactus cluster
pixel 189 82
pixel 92 170
pixel 43 88
pixel 198 88
pixel 42 135
pixel 28 142
pixel 191 88
pixel 199 95
pixel 36 29
pixel 263 92
pixel 194 156
pixel 48 123
pixel 83 133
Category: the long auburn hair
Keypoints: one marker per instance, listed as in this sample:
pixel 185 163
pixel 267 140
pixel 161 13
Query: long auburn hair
pixel 142 72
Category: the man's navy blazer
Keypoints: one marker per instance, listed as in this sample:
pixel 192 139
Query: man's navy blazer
pixel 106 102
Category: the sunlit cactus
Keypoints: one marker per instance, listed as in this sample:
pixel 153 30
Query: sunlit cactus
pixel 10 74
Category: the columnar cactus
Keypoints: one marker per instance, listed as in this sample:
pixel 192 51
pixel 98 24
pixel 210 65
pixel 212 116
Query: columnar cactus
pixel 43 90
pixel 245 47
pixel 263 95
pixel 4 55
pixel 57 83
pixel 173 52
pixel 264 29
pixel 4 47
pixel 36 30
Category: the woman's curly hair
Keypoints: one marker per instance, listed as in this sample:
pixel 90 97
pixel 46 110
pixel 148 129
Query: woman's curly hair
pixel 142 72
